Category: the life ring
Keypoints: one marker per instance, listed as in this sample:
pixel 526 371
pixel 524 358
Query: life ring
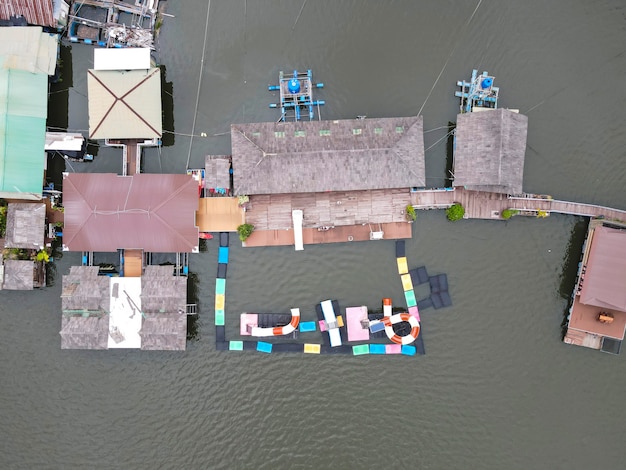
pixel 280 330
pixel 350 238
pixel 398 318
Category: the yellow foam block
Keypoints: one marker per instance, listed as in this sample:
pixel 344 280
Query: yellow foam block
pixel 312 348
pixel 339 321
pixel 403 266
pixel 407 283
pixel 219 301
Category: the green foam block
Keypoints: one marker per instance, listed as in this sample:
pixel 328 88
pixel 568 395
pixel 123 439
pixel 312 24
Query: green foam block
pixel 235 345
pixel 219 317
pixel 360 349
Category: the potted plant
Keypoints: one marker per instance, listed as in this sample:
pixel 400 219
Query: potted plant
pixel 455 212
pixel 411 216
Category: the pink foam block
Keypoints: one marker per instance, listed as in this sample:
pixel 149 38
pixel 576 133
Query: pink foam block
pixel 414 312
pixel 247 319
pixel 322 325
pixel 393 348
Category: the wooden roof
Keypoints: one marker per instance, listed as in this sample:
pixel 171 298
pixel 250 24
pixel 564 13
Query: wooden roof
pixel 25 225
pixel 490 149
pixel 85 291
pixel 78 332
pixel 105 212
pixel 18 274
pixel 217 171
pixel 318 156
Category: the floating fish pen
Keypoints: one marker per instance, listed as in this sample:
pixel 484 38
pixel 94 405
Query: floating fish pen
pixel 113 24
pixel 478 93
pixel 296 96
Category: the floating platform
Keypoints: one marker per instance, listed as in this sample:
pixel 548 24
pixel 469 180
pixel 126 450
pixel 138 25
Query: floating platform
pixel 478 93
pixel 296 96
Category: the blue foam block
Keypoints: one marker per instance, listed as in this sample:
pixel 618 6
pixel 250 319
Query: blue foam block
pixel 266 347
pixel 408 350
pixel 222 256
pixel 376 327
pixel 307 326
pixel 377 349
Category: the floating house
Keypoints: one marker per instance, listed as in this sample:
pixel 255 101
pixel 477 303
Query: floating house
pixel 490 142
pixel 354 173
pixel 140 305
pixel 25 226
pixel 27 58
pixel 101 312
pixel 597 316
pixel 125 102
pixel 46 13
pixel 114 24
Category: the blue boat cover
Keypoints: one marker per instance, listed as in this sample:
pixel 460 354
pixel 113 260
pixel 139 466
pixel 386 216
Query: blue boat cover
pixel 419 275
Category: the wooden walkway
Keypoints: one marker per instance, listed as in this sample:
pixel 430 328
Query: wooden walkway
pixel 486 205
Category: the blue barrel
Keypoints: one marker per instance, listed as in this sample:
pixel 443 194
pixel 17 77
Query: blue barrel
pixel 486 83
pixel 293 85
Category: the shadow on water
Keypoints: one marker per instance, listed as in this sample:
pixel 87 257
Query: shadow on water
pixel 58 100
pixel 167 100
pixel 193 323
pixel 572 257
pixel 450 154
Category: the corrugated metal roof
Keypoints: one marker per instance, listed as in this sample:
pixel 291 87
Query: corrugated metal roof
pixel 35 11
pixel 28 48
pixel 604 284
pixel 23 110
pixel 124 104
pixel 318 156
pixel 127 58
pixel 490 150
pixel 106 212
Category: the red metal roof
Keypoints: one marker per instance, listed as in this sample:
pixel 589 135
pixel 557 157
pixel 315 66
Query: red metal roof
pixel 604 284
pixel 37 12
pixel 105 212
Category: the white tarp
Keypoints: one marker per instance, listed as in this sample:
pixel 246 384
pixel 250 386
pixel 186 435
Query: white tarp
pixel 129 58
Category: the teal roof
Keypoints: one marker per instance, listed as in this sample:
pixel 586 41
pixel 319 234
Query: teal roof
pixel 23 109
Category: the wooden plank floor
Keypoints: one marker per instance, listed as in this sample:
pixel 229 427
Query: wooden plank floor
pixel 312 236
pixel 339 208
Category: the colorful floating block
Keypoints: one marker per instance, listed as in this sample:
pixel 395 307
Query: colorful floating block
pixel 339 321
pixel 376 326
pixel 220 300
pixel 310 348
pixel 414 312
pixel 361 349
pixel 403 266
pixel 410 298
pixel 220 286
pixel 219 317
pixel 377 349
pixel 393 348
pixel 235 345
pixel 222 254
pixel 408 350
pixel 407 284
pixel 322 324
pixel 264 347
pixel 307 326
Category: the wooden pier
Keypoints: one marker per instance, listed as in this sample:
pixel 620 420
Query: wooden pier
pixel 487 205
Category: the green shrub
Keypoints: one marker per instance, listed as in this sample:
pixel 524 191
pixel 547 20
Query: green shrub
pixel 508 213
pixel 42 255
pixel 411 216
pixel 455 212
pixel 244 231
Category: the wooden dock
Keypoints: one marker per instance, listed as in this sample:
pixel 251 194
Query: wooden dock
pixel 487 205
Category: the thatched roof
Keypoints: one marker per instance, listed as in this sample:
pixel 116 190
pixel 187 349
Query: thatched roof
pixel 25 225
pixel 85 291
pixel 490 149
pixel 164 331
pixel 318 156
pixel 217 171
pixel 164 305
pixel 18 274
pixel 78 332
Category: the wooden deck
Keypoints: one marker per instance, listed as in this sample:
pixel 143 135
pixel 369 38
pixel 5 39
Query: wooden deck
pixel 338 234
pixel 219 214
pixel 340 208
pixel 487 205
